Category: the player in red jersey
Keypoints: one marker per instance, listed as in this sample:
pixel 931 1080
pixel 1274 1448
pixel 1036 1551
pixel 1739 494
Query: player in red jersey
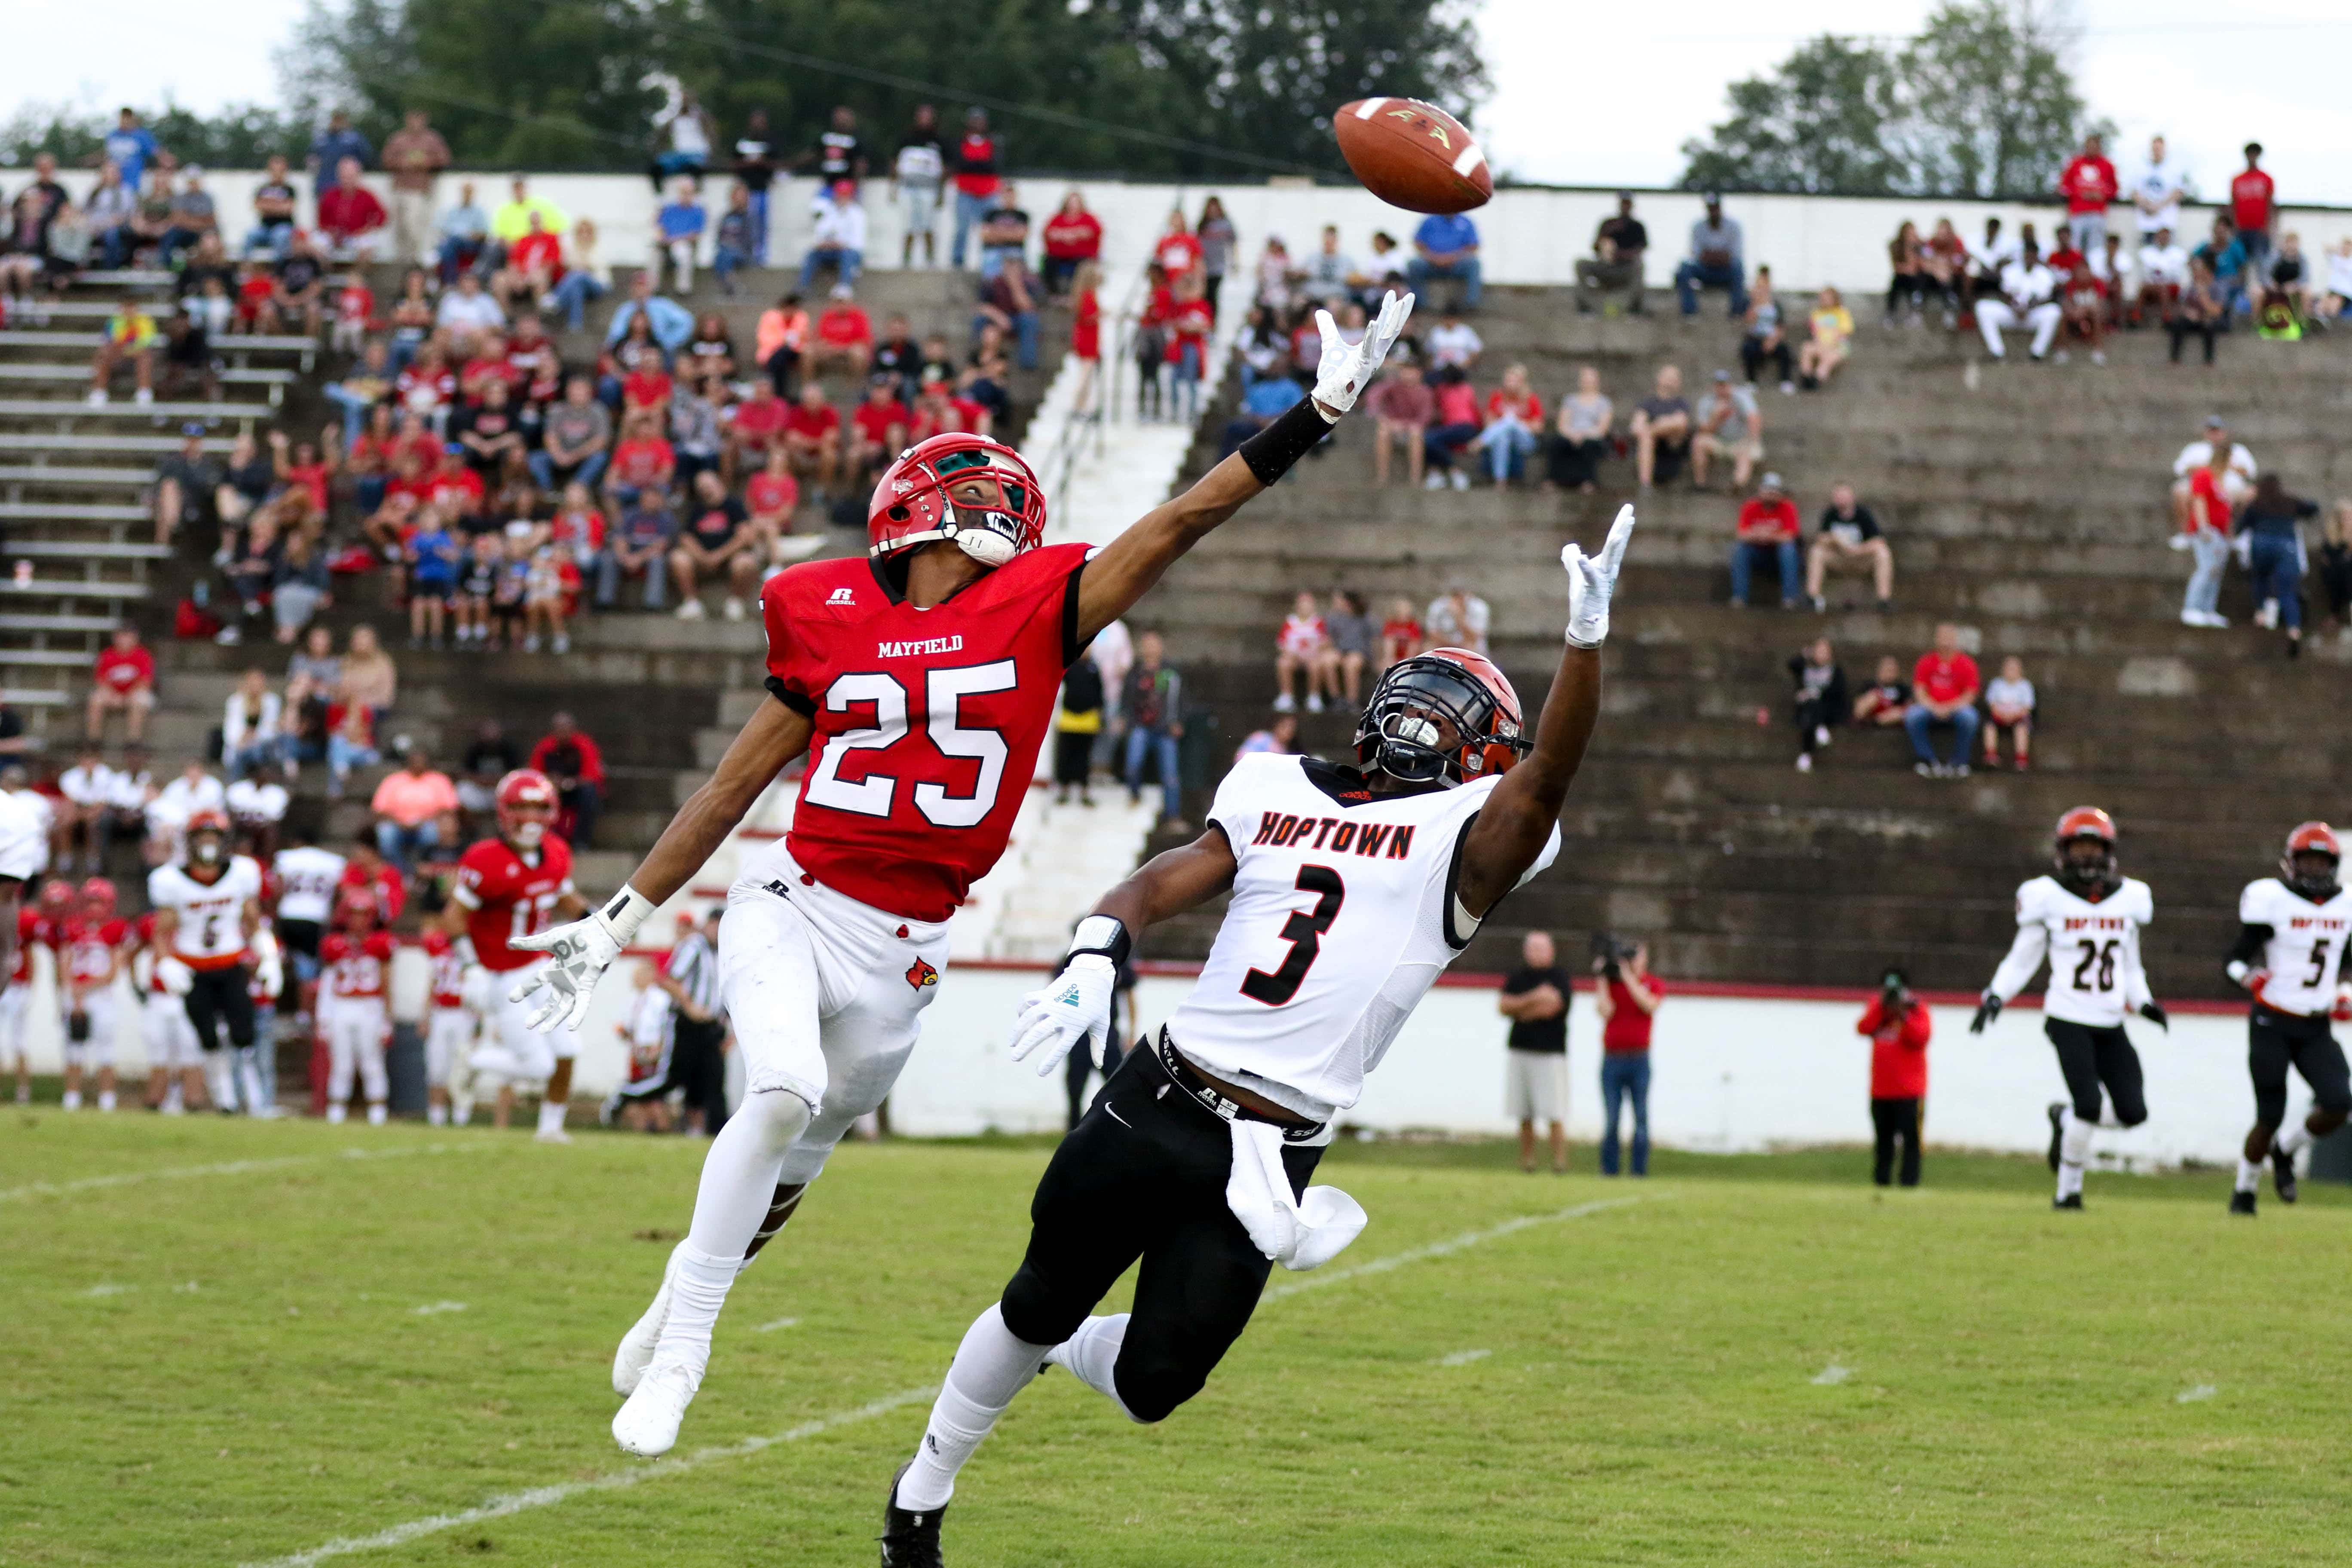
pixel 919 683
pixel 510 888
pixel 355 975
pixel 449 1025
pixel 89 940
pixel 15 1019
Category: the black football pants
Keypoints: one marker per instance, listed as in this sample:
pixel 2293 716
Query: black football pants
pixel 2091 1059
pixel 2276 1041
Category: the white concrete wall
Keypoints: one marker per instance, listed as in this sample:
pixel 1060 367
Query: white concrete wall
pixel 1527 236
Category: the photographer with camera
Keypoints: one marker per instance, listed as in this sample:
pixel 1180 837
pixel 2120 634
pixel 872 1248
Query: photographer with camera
pixel 1535 999
pixel 1898 1027
pixel 1627 998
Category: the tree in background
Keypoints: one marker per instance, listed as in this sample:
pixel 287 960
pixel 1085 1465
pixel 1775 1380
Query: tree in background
pixel 1980 103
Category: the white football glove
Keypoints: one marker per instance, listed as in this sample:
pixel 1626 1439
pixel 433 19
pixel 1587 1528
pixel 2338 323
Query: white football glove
pixel 1591 581
pixel 1075 1006
pixel 176 978
pixel 1344 370
pixel 579 954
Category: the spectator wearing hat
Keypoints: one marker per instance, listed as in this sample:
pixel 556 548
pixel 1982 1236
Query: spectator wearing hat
pixel 1848 534
pixel 1769 527
pixel 1718 260
pixel 1730 422
pixel 1618 246
pixel 1898 1027
pixel 1944 687
pixel 839 240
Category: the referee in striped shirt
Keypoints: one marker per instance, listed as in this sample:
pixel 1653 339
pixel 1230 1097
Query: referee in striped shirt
pixel 697 1061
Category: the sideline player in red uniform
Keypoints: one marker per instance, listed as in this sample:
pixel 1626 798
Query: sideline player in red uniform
pixel 919 683
pixel 449 1031
pixel 88 942
pixel 355 971
pixel 15 1019
pixel 508 889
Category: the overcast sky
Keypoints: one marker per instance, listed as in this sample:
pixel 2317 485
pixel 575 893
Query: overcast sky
pixel 1585 94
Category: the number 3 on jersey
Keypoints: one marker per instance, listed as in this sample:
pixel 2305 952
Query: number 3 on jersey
pixel 1304 930
pixel 943 692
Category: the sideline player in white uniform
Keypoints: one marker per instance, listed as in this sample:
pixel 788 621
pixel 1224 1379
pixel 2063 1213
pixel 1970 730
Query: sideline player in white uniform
pixel 174 1076
pixel 2288 958
pixel 1351 892
pixel 448 1028
pixel 308 878
pixel 354 975
pixel 15 1001
pixel 2087 919
pixel 207 906
pixel 88 944
pixel 919 683
pixel 24 851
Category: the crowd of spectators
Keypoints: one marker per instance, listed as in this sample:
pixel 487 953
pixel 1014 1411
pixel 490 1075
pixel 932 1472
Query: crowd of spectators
pixel 1944 692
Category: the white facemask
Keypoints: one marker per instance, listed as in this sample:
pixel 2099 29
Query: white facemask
pixel 527 835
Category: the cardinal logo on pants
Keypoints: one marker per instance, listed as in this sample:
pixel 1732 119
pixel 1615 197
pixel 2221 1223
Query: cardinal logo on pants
pixel 922 975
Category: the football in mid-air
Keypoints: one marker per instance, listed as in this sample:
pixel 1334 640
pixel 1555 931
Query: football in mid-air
pixel 1413 155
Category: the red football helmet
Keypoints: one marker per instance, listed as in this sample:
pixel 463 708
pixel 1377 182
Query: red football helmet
pixel 1399 733
pixel 57 895
pixel 207 834
pixel 2316 840
pixel 358 907
pixel 962 487
pixel 2095 869
pixel 98 893
pixel 526 805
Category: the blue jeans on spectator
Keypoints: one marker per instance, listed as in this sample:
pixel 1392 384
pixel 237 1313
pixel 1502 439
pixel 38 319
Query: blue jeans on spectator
pixel 726 261
pixel 343 755
pixel 1691 277
pixel 1442 440
pixel 175 240
pixel 591 470
pixel 368 490
pixel 2277 568
pixel 669 165
pixel 114 246
pixel 1185 402
pixel 2209 548
pixel 355 409
pixel 1625 1074
pixel 457 254
pixel 1918 721
pixel 608 581
pixel 1465 271
pixel 841 257
pixel 273 237
pixel 969 210
pixel 1507 444
pixel 1025 339
pixel 267 754
pixel 573 292
pixel 1743 563
pixel 759 205
pixel 1171 788
pixel 401 846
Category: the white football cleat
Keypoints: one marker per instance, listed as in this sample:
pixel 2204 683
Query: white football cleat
pixel 647 1425
pixel 550 1135
pixel 636 1352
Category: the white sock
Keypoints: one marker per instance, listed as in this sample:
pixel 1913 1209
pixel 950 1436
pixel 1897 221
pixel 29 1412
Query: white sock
pixel 2291 1138
pixel 73 1099
pixel 2074 1152
pixel 377 1114
pixel 2250 1175
pixel 1092 1353
pixel 338 1110
pixel 106 1100
pixel 437 1116
pixel 248 1076
pixel 694 1298
pixel 991 1367
pixel 550 1115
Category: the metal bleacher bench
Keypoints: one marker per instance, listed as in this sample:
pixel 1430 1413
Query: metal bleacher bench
pixel 156 445
pixel 70 408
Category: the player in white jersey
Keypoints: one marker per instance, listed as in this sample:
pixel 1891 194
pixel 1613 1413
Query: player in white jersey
pixel 307 879
pixel 2085 918
pixel 1352 889
pixel 207 906
pixel 24 851
pixel 2289 959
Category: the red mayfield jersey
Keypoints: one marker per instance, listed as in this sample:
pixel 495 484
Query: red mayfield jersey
pixel 449 978
pixel 356 966
pixel 506 896
pixel 30 929
pixel 87 955
pixel 927 721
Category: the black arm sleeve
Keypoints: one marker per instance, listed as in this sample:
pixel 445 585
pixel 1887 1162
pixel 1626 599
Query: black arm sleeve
pixel 1272 450
pixel 2251 940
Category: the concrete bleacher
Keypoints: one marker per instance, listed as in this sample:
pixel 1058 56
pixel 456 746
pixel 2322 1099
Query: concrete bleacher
pixel 2027 503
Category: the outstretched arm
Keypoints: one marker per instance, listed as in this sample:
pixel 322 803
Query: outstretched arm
pixel 1129 564
pixel 1517 819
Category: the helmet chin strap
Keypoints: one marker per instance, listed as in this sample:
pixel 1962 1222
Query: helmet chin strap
pixel 527 835
pixel 988 539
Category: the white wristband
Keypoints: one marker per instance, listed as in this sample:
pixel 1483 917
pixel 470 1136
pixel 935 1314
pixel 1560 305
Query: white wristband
pixel 624 912
pixel 2237 969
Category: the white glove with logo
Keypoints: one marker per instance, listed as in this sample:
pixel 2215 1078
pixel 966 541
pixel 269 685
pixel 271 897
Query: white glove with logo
pixel 176 978
pixel 578 953
pixel 1345 370
pixel 1590 582
pixel 1075 1006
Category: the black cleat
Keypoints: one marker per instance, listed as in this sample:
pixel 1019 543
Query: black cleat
pixel 2282 1175
pixel 2242 1202
pixel 909 1540
pixel 2057 1115
pixel 2073 1201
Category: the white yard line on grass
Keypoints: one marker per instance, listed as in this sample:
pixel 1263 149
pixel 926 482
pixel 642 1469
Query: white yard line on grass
pixel 226 1168
pixel 544 1496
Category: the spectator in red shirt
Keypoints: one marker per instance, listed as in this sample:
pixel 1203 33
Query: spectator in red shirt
pixel 1191 320
pixel 2251 207
pixel 1769 527
pixel 940 411
pixel 366 870
pixel 879 428
pixel 1177 251
pixel 812 435
pixel 1514 418
pixel 643 464
pixel 1626 995
pixel 2089 186
pixel 1943 685
pixel 774 495
pixel 567 755
pixel 845 336
pixel 1086 329
pixel 1898 1026
pixel 534 265
pixel 1073 236
pixel 350 216
pixel 1455 428
pixel 2082 302
pixel 975 161
pixel 1402 406
pixel 755 428
pixel 123 682
pixel 455 487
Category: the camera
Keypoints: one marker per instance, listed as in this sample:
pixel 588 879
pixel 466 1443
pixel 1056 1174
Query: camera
pixel 1609 953
pixel 1894 988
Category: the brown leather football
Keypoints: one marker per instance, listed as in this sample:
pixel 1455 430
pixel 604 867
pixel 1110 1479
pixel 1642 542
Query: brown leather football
pixel 1413 155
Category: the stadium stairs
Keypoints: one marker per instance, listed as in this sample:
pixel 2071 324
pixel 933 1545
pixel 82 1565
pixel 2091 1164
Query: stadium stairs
pixel 2026 503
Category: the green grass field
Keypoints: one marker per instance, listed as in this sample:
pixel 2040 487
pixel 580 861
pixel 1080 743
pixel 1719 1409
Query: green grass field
pixel 238 1343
